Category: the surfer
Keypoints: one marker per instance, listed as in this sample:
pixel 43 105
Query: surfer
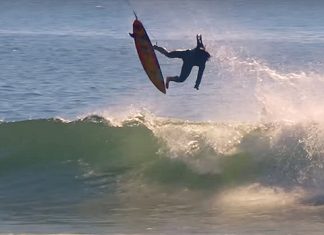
pixel 197 56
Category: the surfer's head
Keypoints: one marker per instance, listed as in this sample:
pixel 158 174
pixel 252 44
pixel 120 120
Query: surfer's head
pixel 204 55
pixel 201 56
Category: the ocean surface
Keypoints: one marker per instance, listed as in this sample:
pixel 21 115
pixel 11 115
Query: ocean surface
pixel 89 146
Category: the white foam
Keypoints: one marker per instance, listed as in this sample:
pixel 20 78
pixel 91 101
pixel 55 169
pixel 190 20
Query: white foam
pixel 256 196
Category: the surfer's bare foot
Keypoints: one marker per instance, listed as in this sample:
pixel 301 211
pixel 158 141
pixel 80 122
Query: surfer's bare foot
pixel 167 83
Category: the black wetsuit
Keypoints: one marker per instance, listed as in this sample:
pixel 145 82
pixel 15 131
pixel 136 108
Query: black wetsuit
pixel 194 57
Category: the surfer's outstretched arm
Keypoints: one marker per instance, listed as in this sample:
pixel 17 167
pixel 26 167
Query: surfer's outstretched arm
pixel 170 54
pixel 199 76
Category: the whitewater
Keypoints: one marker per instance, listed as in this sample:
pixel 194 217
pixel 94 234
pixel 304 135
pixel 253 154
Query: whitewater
pixel 88 145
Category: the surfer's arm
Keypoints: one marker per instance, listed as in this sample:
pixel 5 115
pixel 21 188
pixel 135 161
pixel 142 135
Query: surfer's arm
pixel 162 50
pixel 199 76
pixel 170 54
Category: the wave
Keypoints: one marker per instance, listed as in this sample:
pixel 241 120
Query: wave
pixel 197 154
pixel 96 163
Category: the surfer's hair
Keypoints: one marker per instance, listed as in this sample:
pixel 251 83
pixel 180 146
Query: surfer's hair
pixel 206 55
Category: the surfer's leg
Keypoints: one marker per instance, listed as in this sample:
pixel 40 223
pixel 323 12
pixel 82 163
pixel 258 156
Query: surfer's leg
pixel 185 71
pixel 168 79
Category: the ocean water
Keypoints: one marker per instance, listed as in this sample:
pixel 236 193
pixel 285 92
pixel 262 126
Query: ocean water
pixel 89 146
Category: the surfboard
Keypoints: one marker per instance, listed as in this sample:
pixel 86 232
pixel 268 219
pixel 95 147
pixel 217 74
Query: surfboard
pixel 147 55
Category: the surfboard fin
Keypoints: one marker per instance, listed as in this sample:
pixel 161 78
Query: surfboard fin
pixel 131 34
pixel 135 15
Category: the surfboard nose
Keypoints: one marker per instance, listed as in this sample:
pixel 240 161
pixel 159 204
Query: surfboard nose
pixel 137 23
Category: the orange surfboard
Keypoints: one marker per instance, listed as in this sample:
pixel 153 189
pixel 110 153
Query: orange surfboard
pixel 147 55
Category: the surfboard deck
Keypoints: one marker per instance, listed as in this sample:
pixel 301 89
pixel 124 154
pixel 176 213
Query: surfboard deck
pixel 147 55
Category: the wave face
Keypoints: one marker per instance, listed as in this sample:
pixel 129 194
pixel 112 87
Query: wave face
pixel 98 168
pixel 96 152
